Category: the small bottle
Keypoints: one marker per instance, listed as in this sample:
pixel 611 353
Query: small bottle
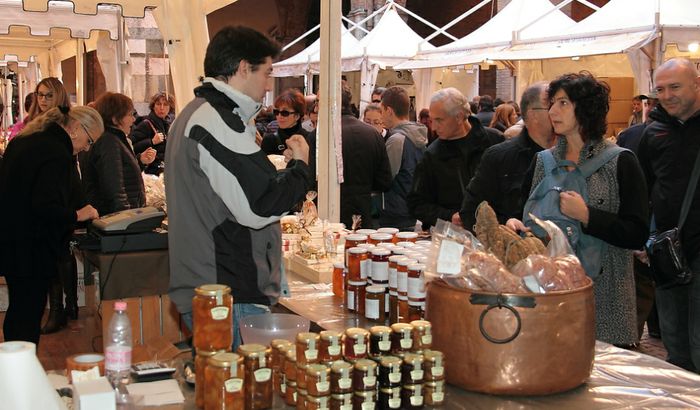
pixel 338 279
pixel 118 350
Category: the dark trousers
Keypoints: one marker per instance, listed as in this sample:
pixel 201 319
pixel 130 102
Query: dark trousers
pixel 645 297
pixel 27 302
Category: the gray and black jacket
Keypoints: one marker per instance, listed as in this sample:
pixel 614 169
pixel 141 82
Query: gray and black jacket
pixel 225 199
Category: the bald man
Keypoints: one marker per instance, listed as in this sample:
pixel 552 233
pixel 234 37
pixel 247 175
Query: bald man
pixel 667 153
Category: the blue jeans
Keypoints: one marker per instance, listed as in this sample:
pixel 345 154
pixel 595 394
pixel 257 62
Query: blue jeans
pixel 679 319
pixel 240 310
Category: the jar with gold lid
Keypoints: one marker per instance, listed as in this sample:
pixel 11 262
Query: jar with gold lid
pixel 279 352
pixel 200 365
pixel 341 377
pixel 307 348
pixel 364 400
pixel 375 297
pixel 389 398
pixel 329 346
pixel 412 369
pixel 364 375
pixel 435 393
pixel 390 372
pixel 355 343
pixel 212 306
pixel 412 396
pixel 433 365
pixel 301 376
pixel 422 335
pixel 258 376
pixel 318 380
pixel 379 341
pixel 341 401
pixel 290 393
pixel 224 388
pixel 401 338
pixel 318 402
pixel 301 398
pixel 290 364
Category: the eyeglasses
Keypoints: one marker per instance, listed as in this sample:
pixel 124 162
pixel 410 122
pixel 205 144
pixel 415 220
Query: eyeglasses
pixel 538 109
pixel 376 101
pixel 135 113
pixel 90 140
pixel 48 96
pixel 283 113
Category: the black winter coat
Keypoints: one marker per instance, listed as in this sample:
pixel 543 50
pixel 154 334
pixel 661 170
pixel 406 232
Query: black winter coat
pixel 112 175
pixel 142 138
pixel 38 181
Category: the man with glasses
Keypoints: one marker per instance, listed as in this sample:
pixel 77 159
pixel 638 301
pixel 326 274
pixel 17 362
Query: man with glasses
pixel 503 167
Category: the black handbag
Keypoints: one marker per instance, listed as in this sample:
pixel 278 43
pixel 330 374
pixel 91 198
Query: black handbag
pixel 669 266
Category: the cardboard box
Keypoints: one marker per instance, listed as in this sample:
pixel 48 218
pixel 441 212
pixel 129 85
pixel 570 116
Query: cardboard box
pixel 95 394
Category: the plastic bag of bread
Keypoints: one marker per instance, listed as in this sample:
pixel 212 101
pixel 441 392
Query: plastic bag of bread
pixel 541 274
pixel 487 272
pixel 571 267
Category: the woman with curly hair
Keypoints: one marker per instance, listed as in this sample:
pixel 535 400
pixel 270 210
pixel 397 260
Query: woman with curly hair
pixel 616 210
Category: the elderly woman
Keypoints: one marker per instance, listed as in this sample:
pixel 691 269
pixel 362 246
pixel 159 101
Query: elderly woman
pixel 111 171
pixel 49 93
pixel 36 180
pixel 152 131
pixel 289 113
pixel 616 211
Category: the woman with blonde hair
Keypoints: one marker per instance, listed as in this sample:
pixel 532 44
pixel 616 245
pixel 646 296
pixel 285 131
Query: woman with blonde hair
pixel 49 93
pixel 37 179
pixel 504 118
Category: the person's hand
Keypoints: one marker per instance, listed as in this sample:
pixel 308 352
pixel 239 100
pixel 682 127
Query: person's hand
pixel 148 156
pixel 516 225
pixel 300 149
pixel 456 219
pixel 572 205
pixel 258 138
pixel 157 138
pixel 288 155
pixel 641 256
pixel 87 213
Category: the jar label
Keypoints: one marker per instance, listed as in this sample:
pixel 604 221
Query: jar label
pixel 392 278
pixel 369 381
pixel 311 354
pixel 219 313
pixel 366 268
pixel 233 385
pixel 416 288
pixel 416 400
pixel 438 397
pixel 323 387
pixel 371 309
pixel 360 348
pixel 351 300
pixel 427 339
pixel 368 406
pixel 384 346
pixel 417 375
pixel 283 387
pixel 346 407
pixel 401 281
pixel 395 377
pixel 345 383
pixel 406 343
pixel 380 270
pixel 262 361
pixel 262 375
pixel 334 350
pixel 438 371
pixel 394 403
pixel 294 395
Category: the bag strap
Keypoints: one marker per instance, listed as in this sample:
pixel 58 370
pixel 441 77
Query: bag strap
pixel 591 166
pixel 155 131
pixel 690 192
pixel 548 161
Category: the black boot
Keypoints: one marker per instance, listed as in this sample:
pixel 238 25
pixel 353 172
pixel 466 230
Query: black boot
pixel 69 279
pixel 57 319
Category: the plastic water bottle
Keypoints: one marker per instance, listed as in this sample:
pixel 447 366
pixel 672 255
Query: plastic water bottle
pixel 118 349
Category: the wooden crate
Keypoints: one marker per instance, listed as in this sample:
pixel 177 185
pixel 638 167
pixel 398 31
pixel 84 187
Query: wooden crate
pixel 317 273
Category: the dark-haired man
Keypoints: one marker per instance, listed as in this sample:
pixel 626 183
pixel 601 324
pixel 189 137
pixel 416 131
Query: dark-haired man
pixel 225 198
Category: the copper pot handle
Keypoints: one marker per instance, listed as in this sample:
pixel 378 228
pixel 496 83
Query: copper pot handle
pixel 501 301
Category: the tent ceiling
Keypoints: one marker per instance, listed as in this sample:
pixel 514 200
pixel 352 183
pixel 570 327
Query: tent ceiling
pixel 130 8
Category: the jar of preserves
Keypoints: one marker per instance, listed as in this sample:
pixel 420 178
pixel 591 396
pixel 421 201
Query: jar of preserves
pixel 433 365
pixel 290 393
pixel 422 335
pixel 392 231
pixel 412 396
pixel 390 372
pixel 380 266
pixel 224 377
pixel 352 241
pixel 341 377
pixel 355 344
pixel 412 369
pixel 380 237
pixel 200 365
pixel 301 398
pixel 375 303
pixel 290 364
pixel 364 375
pixel 318 402
pixel 379 341
pixel 416 282
pixel 407 236
pixel 279 355
pixel 416 311
pixel 389 398
pixel 358 265
pixel 341 401
pixel 364 400
pixel 338 279
pixel 401 338
pixel 318 380
pixel 366 231
pixel 406 245
pixel 301 376
pixel 355 296
pixel 402 311
pixel 258 376
pixel 435 393
pixel 424 243
pixel 329 349
pixel 307 348
pixel 402 275
pixel 212 306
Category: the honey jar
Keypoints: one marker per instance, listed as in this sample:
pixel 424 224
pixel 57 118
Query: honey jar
pixel 301 376
pixel 341 377
pixel 290 364
pixel 279 352
pixel 407 236
pixel 355 344
pixel 200 365
pixel 224 377
pixel 355 296
pixel 258 376
pixel 433 366
pixel 307 348
pixel 416 282
pixel 412 396
pixel 375 303
pixel 364 375
pixel 435 393
pixel 380 266
pixel 301 398
pixel 379 341
pixel 358 263
pixel 318 380
pixel 392 231
pixel 352 241
pixel 412 369
pixel 401 338
pixel 330 349
pixel 212 306
pixel 422 335
pixel 290 393
pixel 402 275
pixel 380 237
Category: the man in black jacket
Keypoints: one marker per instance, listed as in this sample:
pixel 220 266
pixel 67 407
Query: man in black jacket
pixel 503 167
pixel 450 161
pixel 667 153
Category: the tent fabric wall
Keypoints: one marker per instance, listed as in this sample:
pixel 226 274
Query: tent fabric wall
pixel 108 57
pixel 130 8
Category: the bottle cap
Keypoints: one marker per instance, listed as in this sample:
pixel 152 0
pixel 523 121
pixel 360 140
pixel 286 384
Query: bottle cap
pixel 120 305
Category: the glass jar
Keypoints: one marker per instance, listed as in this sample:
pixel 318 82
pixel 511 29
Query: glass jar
pixel 412 396
pixel 425 243
pixel 301 376
pixel 416 282
pixel 406 245
pixel 364 400
pixel 307 348
pixel 375 303
pixel 200 365
pixel 352 241
pixel 318 402
pixel 318 380
pixel 407 236
pixel 390 372
pixel 357 265
pixel 364 375
pixel 416 311
pixel 435 393
pixel 379 341
pixel 402 311
pixel 366 231
pixel 389 398
pixel 422 335
pixel 412 369
pixel 290 393
pixel 279 355
pixel 355 344
pixel 211 317
pixel 392 231
pixel 338 279
pixel 433 365
pixel 258 376
pixel 355 296
pixel 380 237
pixel 301 398
pixel 402 275
pixel 341 377
pixel 401 340
pixel 380 266
pixel 341 401
pixel 224 377
pixel 329 349
pixel 290 364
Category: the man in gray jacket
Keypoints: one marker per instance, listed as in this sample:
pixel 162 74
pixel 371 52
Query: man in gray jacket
pixel 225 198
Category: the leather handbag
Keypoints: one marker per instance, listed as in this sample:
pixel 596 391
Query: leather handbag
pixel 513 344
pixel 669 266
